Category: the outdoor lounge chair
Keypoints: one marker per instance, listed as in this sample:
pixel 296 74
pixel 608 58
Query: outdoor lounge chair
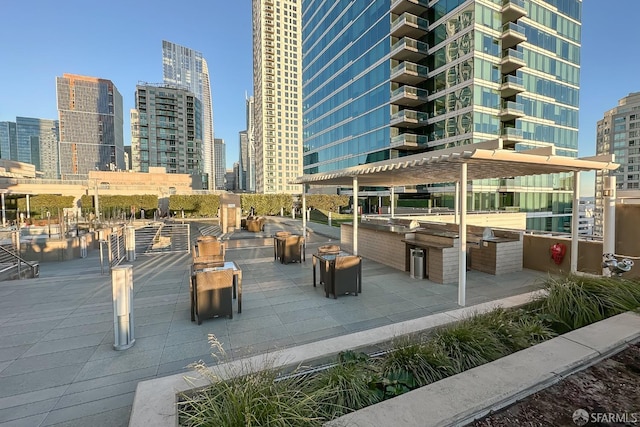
pixel 344 276
pixel 292 249
pixel 328 250
pixel 255 224
pixel 210 248
pixel 213 294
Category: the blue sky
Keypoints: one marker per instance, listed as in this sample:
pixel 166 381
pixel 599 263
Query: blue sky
pixel 122 41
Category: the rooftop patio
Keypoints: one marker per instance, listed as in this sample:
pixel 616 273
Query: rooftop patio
pixel 57 363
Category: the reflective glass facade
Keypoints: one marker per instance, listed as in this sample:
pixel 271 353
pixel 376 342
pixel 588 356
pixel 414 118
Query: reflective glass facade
pixel 389 78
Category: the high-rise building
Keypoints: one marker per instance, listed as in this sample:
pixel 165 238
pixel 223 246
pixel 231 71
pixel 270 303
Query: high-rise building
pixel 618 133
pixel 277 82
pixel 37 141
pixel 8 141
pixel 251 147
pixel 32 140
pixel 127 157
pixel 221 162
pixel 186 67
pixel 242 161
pixel 384 79
pixel 166 129
pixel 91 126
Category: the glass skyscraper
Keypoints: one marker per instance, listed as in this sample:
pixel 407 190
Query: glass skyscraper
pixel 186 67
pixel 91 126
pixel 388 78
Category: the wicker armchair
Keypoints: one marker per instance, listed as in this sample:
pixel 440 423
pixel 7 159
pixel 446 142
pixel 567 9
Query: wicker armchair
pixel 255 224
pixel 210 247
pixel 292 249
pixel 327 250
pixel 212 294
pixel 278 242
pixel 345 276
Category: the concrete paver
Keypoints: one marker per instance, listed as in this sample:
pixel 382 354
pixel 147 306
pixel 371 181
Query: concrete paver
pixel 57 364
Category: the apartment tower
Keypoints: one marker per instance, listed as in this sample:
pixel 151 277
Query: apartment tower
pixel 251 146
pixel 618 133
pixel 186 67
pixel 220 168
pixel 166 130
pixel 242 161
pixel 389 78
pixel 91 126
pixel 277 82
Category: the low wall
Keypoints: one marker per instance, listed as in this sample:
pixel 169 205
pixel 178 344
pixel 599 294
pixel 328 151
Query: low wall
pixel 43 249
pixel 536 255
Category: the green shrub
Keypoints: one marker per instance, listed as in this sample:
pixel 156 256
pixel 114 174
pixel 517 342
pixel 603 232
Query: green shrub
pixel 575 301
pixel 348 386
pixel 424 362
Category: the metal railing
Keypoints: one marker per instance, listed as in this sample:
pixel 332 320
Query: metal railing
pixel 10 259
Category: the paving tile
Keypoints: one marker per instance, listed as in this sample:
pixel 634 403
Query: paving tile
pixel 95 383
pixel 302 314
pixel 105 349
pixel 26 410
pixel 75 412
pixel 45 347
pixel 32 381
pixel 25 365
pixel 31 397
pixel 237 325
pixel 11 353
pixel 319 335
pixel 114 418
pixel 31 421
pixel 76 331
pixel 116 365
pixel 172 353
pixel 20 327
pixel 256 336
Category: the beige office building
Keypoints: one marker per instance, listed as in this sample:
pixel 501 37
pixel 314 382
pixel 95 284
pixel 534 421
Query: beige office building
pixel 277 82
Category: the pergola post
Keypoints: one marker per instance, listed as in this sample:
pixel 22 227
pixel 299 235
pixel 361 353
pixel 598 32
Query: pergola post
pixel 393 202
pixel 4 212
pixel 355 215
pixel 574 222
pixel 609 218
pixel 28 208
pixel 462 233
pixel 304 210
pixel 456 203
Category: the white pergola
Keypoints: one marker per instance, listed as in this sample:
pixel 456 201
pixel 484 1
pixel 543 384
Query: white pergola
pixel 459 165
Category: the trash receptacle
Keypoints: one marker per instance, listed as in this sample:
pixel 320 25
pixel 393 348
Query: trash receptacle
pixel 416 268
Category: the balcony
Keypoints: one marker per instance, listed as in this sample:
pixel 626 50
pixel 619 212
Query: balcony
pixel 407 49
pixel 409 25
pixel 512 60
pixel 409 73
pixel 512 35
pixel 512 10
pixel 409 119
pixel 416 7
pixel 511 136
pixel 510 111
pixel 409 141
pixel 409 96
pixel 511 86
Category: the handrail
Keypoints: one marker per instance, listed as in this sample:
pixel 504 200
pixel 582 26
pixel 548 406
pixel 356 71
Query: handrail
pixel 33 267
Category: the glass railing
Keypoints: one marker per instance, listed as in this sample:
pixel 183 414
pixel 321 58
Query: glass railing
pixel 513 54
pixel 410 91
pixel 513 80
pixel 511 132
pixel 408 18
pixel 407 43
pixel 409 138
pixel 519 3
pixel 395 3
pixel 512 26
pixel 410 67
pixel 511 105
pixel 410 115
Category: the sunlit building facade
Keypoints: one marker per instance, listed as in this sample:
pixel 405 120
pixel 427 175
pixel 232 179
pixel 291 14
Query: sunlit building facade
pixel 91 126
pixel 618 133
pixel 166 130
pixel 389 78
pixel 277 82
pixel 186 67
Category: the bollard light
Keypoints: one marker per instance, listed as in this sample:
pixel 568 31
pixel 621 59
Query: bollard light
pixel 122 284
